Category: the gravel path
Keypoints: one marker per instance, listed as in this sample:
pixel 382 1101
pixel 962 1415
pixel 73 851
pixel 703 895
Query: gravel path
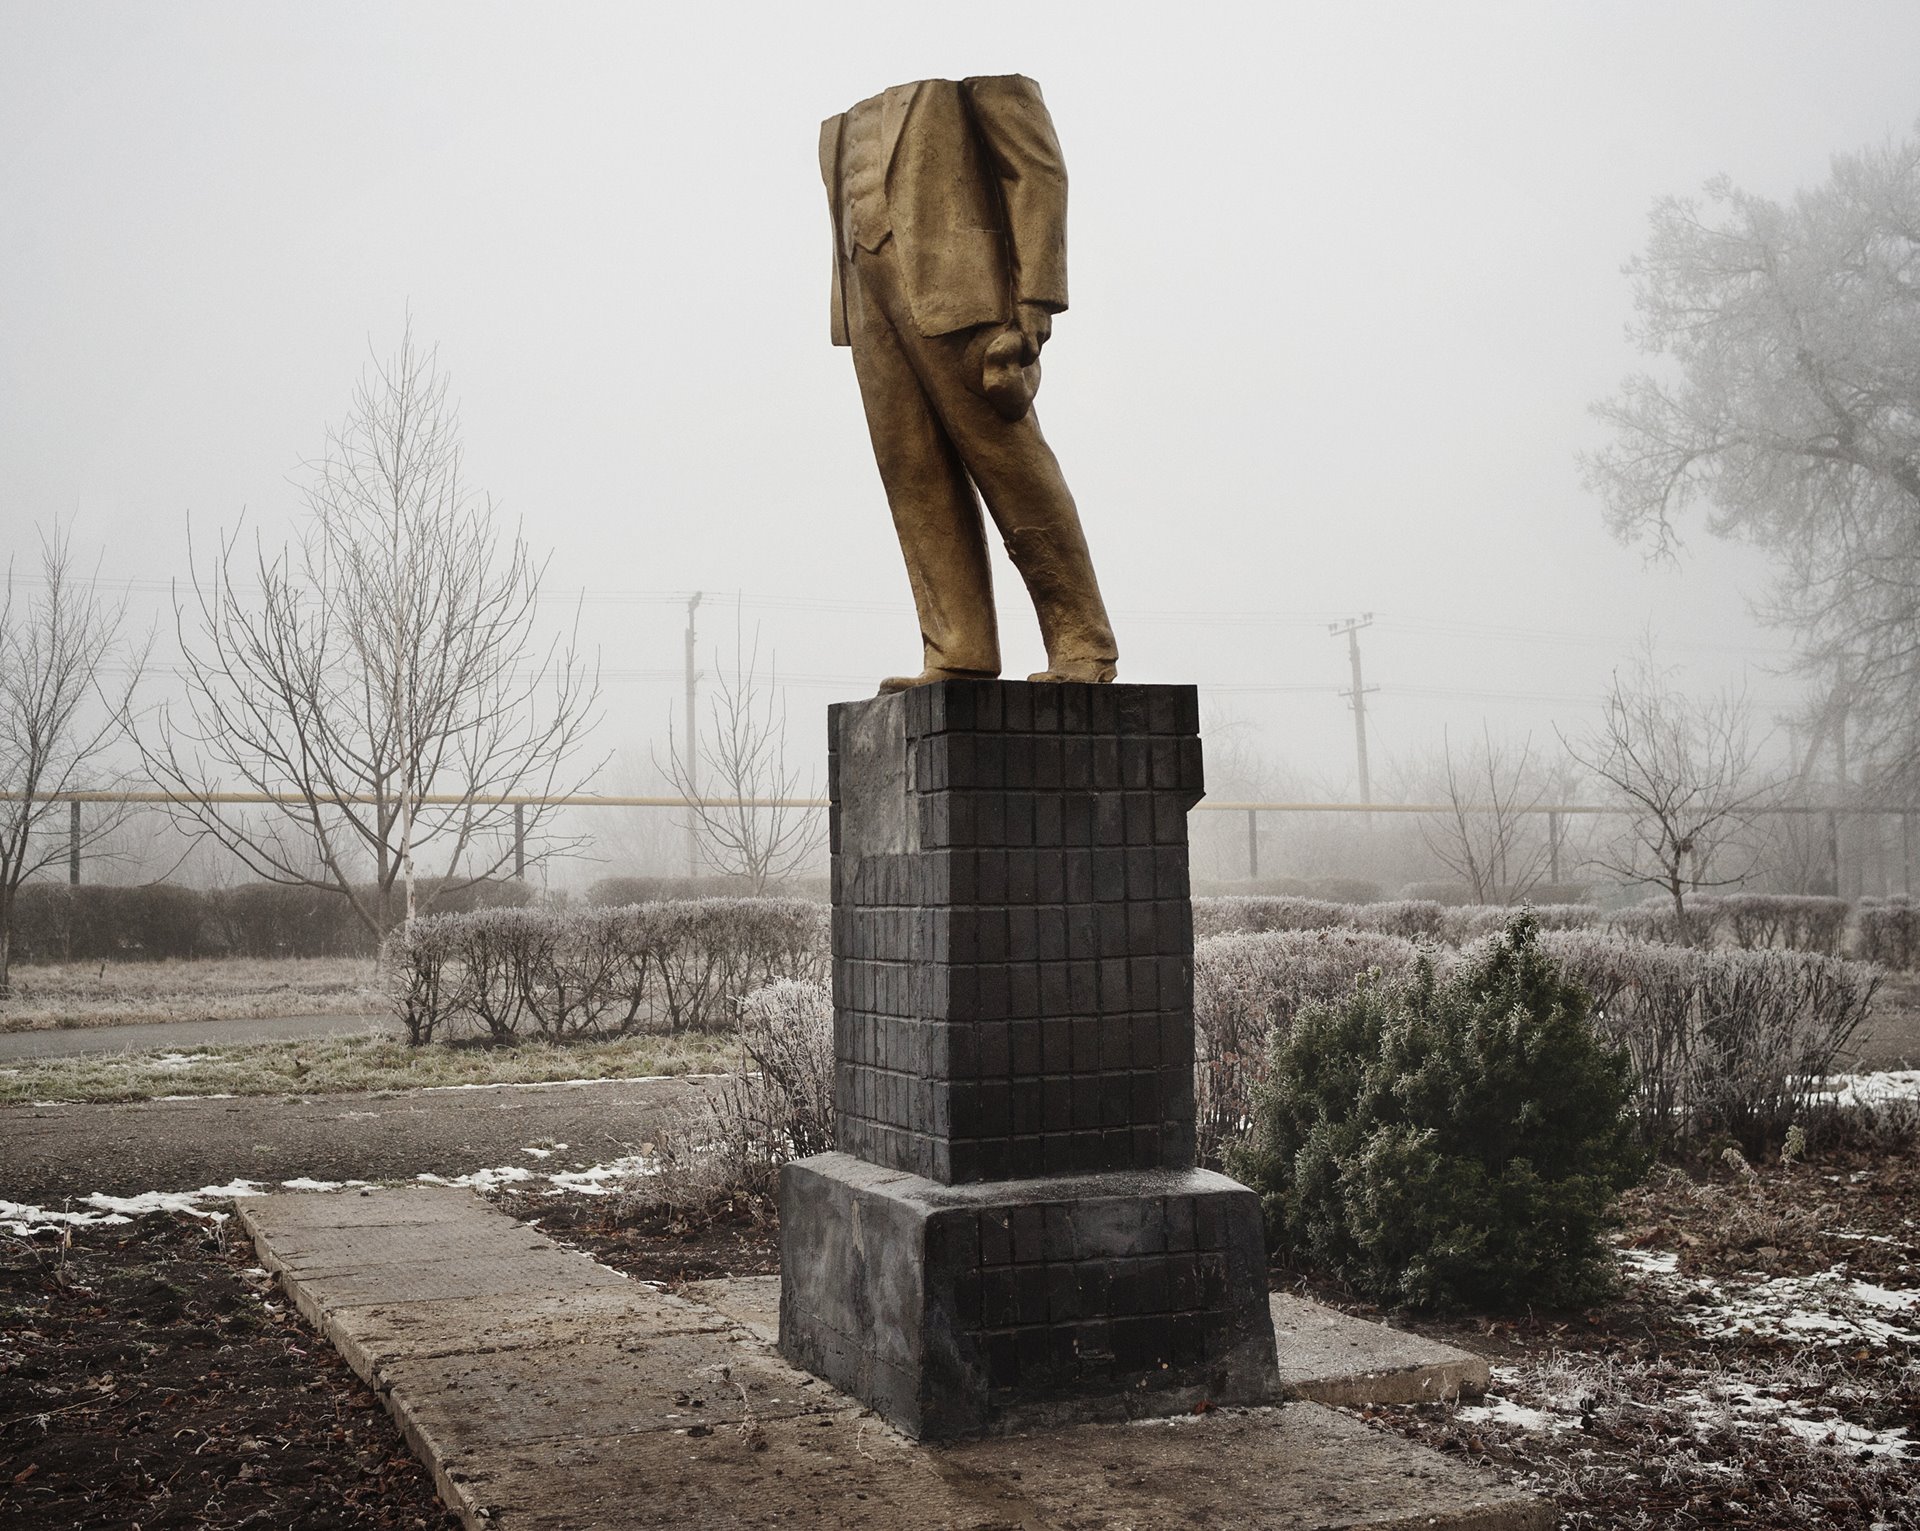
pixel 74 1041
pixel 48 1153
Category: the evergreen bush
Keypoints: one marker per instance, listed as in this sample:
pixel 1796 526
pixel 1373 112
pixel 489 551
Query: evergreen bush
pixel 1447 1140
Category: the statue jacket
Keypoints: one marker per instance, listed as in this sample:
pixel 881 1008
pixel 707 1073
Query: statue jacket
pixel 977 195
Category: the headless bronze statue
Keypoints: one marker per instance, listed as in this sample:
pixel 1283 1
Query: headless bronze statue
pixel 949 204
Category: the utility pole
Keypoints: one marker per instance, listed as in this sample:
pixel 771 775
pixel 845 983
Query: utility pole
pixel 1845 865
pixel 1351 629
pixel 691 763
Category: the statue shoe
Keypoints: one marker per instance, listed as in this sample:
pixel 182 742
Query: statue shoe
pixel 931 674
pixel 1085 671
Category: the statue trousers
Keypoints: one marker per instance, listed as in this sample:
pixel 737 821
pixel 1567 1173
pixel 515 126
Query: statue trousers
pixel 935 438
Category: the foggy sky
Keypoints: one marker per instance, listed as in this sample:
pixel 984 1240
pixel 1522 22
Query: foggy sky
pixel 1344 281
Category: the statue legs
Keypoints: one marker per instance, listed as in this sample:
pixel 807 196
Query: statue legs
pixel 935 438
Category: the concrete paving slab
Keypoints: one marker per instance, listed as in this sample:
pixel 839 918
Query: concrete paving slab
pixel 1325 1356
pixel 752 1301
pixel 320 1251
pixel 639 1383
pixel 1285 1468
pixel 1334 1358
pixel 550 1394
pixel 284 1217
pixel 528 1273
pixel 386 1332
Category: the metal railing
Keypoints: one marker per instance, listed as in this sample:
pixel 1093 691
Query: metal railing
pixel 519 802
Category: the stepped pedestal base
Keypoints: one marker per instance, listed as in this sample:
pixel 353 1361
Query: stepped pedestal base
pixel 955 1309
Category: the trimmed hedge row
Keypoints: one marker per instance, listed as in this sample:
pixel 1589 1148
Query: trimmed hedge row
pixel 55 922
pixel 1734 1040
pixel 1726 1040
pixel 1247 989
pixel 1889 934
pixel 680 965
pixel 1750 921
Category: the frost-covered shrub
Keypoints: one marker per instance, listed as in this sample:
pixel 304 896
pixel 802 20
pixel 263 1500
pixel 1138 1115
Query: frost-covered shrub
pixel 1793 921
pixel 1411 918
pixel 424 980
pixel 1889 934
pixel 1471 922
pixel 1247 989
pixel 1448 1139
pixel 1798 922
pixel 505 952
pixel 598 972
pixel 1722 1041
pixel 589 979
pixel 1654 921
pixel 777 1106
pixel 713 952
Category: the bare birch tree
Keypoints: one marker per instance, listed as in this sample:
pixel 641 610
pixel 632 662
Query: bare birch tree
pixel 742 758
pixel 386 684
pixel 1683 771
pixel 65 682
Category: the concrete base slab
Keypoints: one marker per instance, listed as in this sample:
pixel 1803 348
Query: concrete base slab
pixel 750 1301
pixel 598 1402
pixel 1325 1356
pixel 1335 1358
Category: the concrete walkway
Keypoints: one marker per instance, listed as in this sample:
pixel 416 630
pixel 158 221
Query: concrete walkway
pixel 81 1041
pixel 546 1391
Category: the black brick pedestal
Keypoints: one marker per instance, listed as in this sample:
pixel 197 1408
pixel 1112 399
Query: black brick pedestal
pixel 1013 1228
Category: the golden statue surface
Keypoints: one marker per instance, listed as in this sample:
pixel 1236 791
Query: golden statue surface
pixel 949 204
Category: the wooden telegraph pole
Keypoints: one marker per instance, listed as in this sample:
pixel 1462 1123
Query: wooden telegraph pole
pixel 1351 629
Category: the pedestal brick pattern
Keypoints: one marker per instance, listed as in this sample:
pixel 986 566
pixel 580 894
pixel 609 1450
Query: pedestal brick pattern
pixel 1013 957
pixel 1011 1230
pixel 1107 1293
pixel 956 1309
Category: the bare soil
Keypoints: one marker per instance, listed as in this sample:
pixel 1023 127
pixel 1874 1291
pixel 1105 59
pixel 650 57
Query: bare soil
pixel 1644 1416
pixel 732 1238
pixel 146 1382
pixel 1890 1038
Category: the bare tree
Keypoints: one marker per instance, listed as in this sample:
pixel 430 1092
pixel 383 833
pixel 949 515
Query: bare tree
pixel 743 759
pixel 1489 839
pixel 386 684
pixel 1789 410
pixel 1684 773
pixel 65 683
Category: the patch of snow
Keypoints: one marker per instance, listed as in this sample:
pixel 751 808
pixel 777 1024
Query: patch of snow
pixel 559 1084
pixel 1827 1307
pixel 302 1183
pixel 1878 1089
pixel 173 1062
pixel 176 1201
pixel 1504 1411
pixel 593 1182
pixel 23 1220
pixel 481 1180
pixel 1753 1411
pixel 158 1098
pixel 1650 1262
